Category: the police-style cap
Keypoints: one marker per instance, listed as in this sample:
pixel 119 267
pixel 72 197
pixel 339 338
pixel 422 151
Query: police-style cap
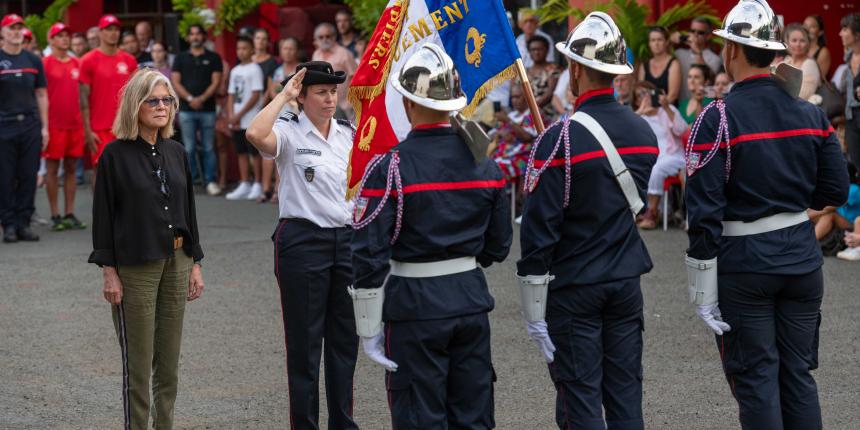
pixel 319 73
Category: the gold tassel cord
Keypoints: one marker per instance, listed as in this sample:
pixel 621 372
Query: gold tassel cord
pixel 507 74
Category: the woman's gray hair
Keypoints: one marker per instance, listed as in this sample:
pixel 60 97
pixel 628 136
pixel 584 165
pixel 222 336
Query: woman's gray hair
pixel 126 125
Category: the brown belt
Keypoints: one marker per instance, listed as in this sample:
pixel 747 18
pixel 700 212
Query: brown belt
pixel 177 242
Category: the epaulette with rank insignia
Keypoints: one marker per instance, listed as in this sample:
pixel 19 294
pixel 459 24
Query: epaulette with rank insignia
pixel 289 116
pixel 347 123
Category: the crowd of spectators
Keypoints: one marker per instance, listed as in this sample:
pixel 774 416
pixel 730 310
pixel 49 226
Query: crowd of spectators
pixel 682 75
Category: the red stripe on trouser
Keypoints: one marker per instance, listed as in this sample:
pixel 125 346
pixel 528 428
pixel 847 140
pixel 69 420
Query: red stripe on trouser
pixel 284 318
pixel 123 345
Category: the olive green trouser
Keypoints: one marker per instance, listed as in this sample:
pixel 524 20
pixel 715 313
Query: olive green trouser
pixel 148 324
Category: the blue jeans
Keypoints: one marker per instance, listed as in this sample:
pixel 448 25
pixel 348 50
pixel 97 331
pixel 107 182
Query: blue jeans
pixel 190 123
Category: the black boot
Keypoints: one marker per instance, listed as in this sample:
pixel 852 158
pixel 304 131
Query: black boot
pixel 26 234
pixel 10 235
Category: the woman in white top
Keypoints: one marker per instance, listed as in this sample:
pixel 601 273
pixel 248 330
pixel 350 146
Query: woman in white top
pixel 668 125
pixel 313 259
pixel 797 40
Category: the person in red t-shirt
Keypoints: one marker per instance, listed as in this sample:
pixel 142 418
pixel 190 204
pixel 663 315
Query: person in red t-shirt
pixel 66 130
pixel 104 71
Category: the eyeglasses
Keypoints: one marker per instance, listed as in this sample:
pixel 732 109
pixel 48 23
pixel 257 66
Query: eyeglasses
pixel 153 102
pixel 161 176
pixel 699 32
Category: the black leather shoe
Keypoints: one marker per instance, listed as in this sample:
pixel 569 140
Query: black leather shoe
pixel 10 235
pixel 26 234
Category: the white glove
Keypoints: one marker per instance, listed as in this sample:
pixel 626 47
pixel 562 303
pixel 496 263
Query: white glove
pixel 711 315
pixel 374 350
pixel 538 332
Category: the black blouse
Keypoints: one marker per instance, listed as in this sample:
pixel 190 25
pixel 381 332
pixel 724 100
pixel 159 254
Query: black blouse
pixel 144 197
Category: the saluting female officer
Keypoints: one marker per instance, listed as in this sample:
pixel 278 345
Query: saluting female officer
pixel 312 241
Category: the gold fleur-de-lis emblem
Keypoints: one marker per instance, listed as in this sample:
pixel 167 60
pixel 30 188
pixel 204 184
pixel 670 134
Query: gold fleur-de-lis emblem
pixel 367 132
pixel 478 40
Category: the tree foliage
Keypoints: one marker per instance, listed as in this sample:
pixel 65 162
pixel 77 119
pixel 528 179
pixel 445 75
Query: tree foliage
pixel 40 25
pixel 631 17
pixel 366 13
pixel 231 11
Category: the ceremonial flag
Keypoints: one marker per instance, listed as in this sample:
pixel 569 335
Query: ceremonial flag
pixel 474 33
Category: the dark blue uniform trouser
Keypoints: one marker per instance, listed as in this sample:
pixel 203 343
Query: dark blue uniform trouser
pixel 20 146
pixel 597 333
pixel 772 346
pixel 445 375
pixel 313 266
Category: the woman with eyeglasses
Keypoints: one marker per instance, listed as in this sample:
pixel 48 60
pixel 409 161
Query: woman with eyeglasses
pixel 146 242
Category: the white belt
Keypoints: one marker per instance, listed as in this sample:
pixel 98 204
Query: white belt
pixel 764 225
pixel 435 268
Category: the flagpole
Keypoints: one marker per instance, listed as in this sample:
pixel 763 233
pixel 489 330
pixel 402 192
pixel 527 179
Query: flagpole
pixel 530 96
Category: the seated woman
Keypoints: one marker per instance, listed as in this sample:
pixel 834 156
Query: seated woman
pixel 698 78
pixel 668 125
pixel 514 135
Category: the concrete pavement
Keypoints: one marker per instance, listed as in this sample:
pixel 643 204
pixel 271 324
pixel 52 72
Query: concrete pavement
pixel 61 365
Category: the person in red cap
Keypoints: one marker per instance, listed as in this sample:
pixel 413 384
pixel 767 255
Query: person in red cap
pixel 66 142
pixel 104 71
pixel 23 130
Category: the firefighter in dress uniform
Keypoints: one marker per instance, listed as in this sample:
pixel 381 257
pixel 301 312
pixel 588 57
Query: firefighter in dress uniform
pixel 428 217
pixel 582 255
pixel 313 263
pixel 756 161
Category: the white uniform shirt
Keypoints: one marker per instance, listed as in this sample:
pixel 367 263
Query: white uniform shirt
pixel 313 171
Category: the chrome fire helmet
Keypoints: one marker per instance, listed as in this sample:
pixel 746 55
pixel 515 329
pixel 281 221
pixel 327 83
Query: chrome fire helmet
pixel 752 23
pixel 430 79
pixel 597 43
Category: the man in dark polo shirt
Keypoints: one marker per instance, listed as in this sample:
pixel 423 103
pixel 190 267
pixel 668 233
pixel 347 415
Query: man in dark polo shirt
pixel 23 130
pixel 196 76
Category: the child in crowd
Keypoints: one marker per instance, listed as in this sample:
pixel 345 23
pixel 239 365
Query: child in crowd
pixel 244 101
pixel 846 217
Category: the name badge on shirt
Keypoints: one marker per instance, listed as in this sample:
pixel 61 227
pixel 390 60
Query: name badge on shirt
pixel 301 151
pixel 309 174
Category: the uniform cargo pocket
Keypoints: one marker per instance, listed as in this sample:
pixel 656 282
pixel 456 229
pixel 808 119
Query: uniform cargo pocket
pixel 401 400
pixel 813 362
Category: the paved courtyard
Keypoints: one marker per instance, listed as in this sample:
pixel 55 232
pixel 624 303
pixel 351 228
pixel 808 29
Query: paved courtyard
pixel 60 362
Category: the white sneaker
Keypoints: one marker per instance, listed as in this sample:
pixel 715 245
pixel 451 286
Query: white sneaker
pixel 256 191
pixel 240 192
pixel 213 189
pixel 850 254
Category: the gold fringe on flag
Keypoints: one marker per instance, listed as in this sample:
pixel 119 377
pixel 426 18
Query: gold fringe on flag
pixel 505 75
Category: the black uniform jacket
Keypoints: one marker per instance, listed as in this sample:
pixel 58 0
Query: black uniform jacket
pixel 784 158
pixel 452 207
pixel 594 239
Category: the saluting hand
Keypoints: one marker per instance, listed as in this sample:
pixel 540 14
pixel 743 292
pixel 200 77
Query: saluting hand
pixel 294 85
